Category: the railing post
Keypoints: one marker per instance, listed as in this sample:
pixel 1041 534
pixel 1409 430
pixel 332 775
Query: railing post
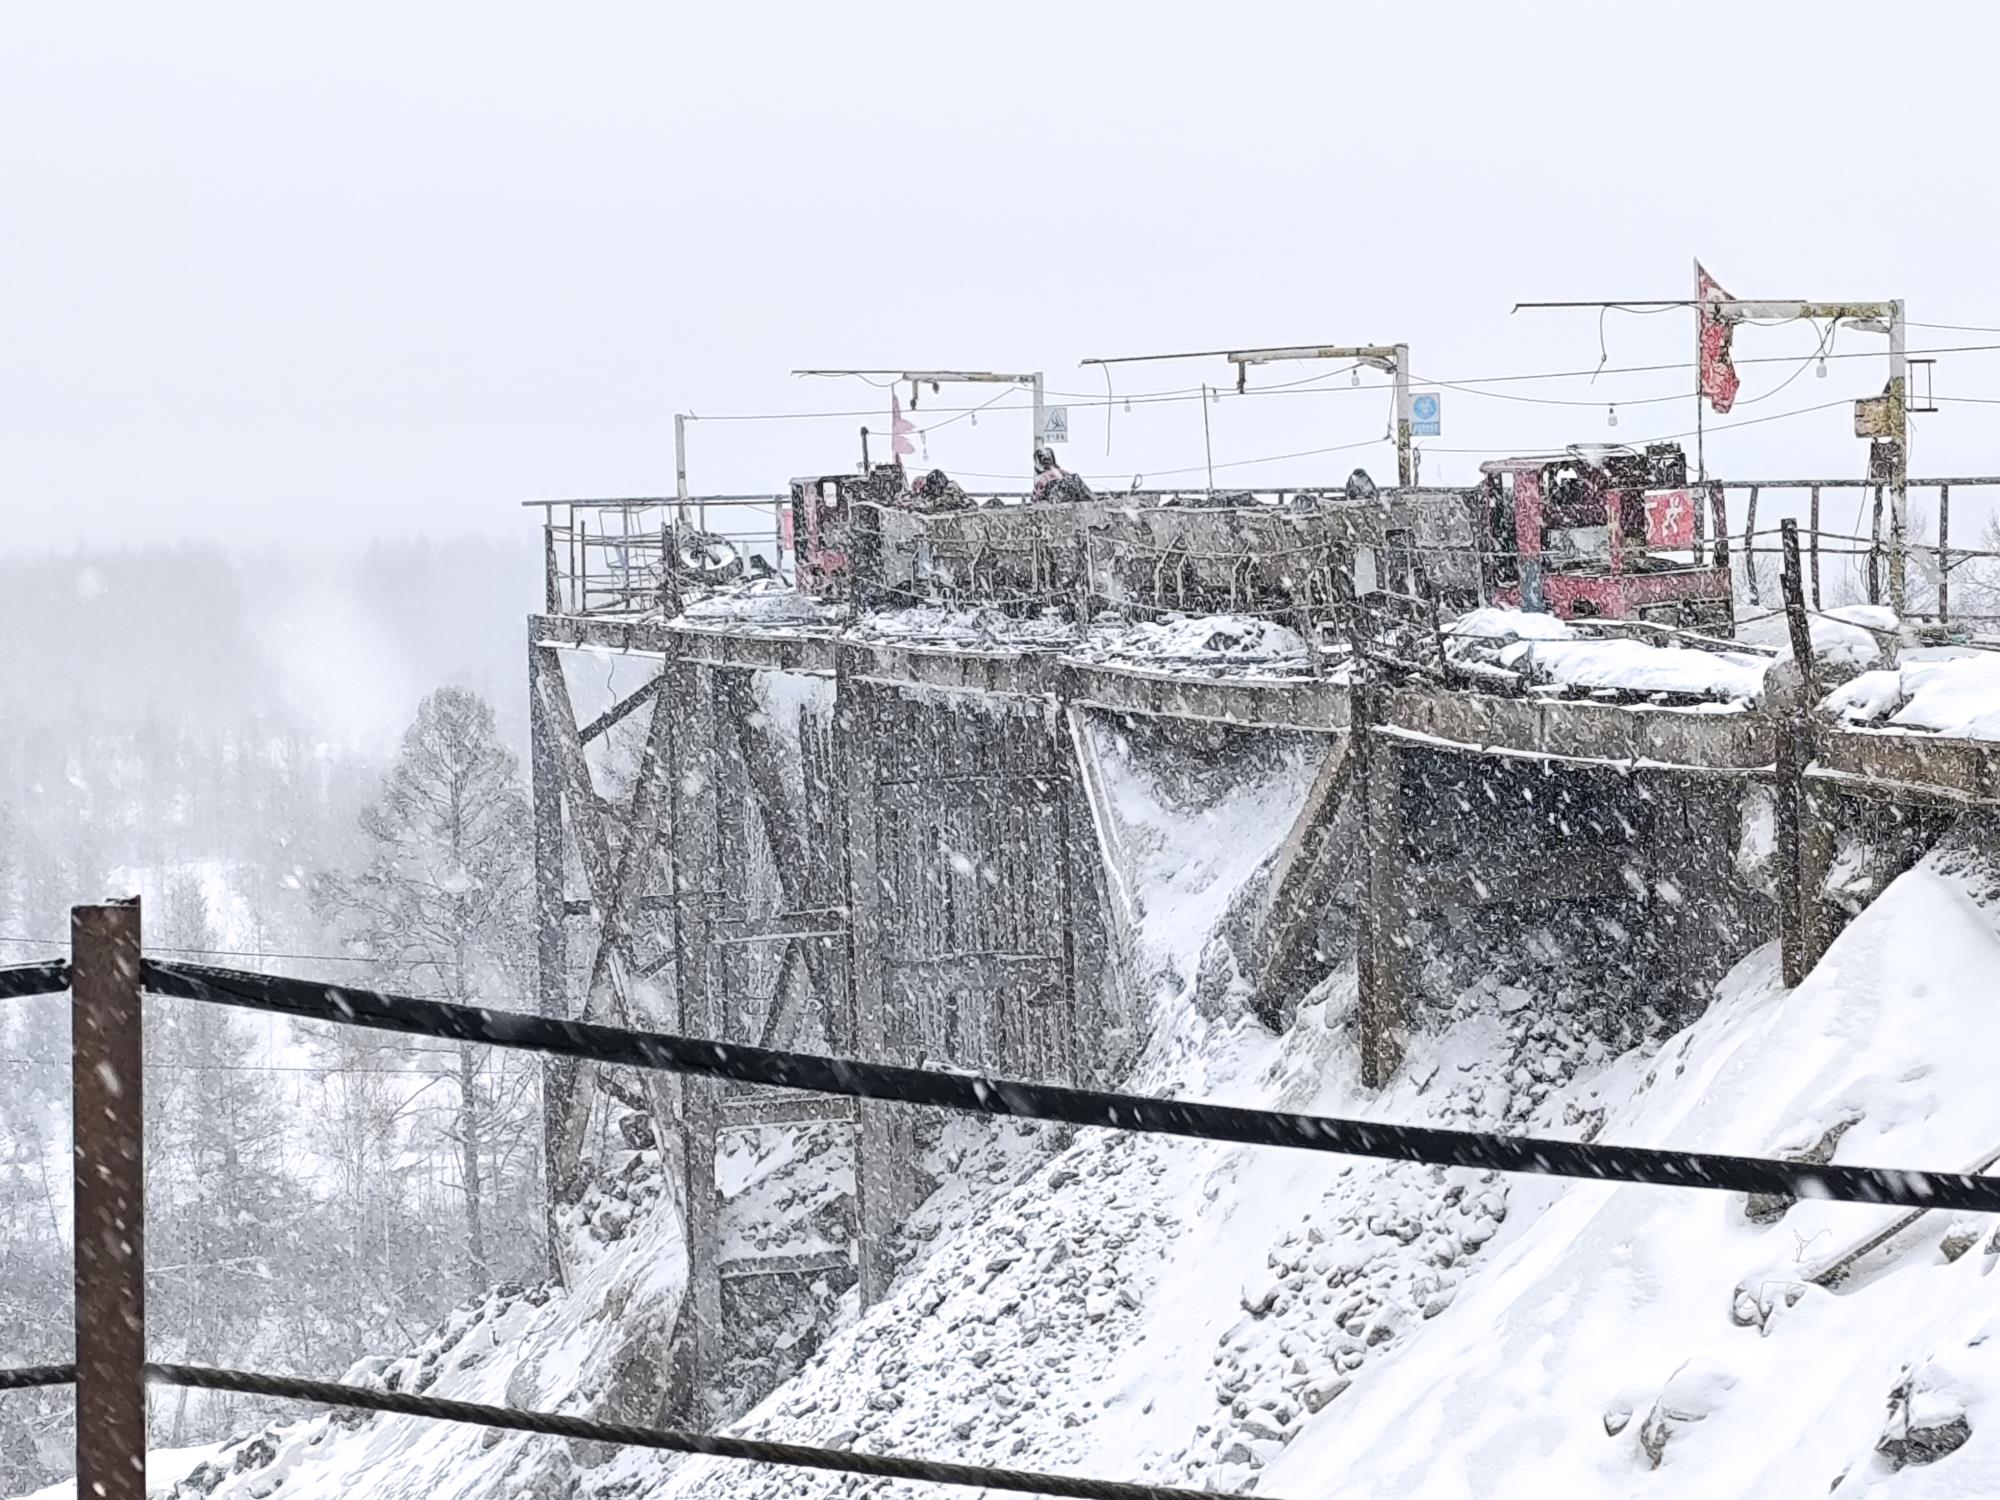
pixel 1875 551
pixel 109 1135
pixel 1813 528
pixel 1750 548
pixel 1944 555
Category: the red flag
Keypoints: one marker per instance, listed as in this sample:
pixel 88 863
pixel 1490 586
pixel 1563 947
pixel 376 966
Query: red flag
pixel 900 428
pixel 1718 374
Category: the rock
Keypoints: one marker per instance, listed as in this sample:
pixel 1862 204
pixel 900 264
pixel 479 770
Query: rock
pixel 1924 1425
pixel 1258 1302
pixel 1694 1392
pixel 1322 1391
pixel 1925 1445
pixel 1261 1425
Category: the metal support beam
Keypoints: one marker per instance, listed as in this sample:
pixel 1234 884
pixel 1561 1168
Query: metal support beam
pixel 1899 482
pixel 623 709
pixel 1944 555
pixel 1816 917
pixel 680 467
pixel 1406 467
pixel 879 1163
pixel 1794 755
pixel 1301 882
pixel 109 1128
pixel 1080 1050
pixel 551 940
pixel 586 816
pixel 1384 951
pixel 691 781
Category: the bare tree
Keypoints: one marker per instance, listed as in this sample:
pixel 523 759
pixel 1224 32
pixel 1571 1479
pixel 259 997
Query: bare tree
pixel 442 905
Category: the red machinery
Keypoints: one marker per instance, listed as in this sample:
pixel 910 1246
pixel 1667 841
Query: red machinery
pixel 1607 533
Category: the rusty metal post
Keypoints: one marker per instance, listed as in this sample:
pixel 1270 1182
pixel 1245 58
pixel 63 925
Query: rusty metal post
pixel 109 1133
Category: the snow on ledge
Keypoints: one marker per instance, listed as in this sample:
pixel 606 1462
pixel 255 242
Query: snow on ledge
pixel 1947 691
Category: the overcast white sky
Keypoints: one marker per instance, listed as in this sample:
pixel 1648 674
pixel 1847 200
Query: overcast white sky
pixel 291 271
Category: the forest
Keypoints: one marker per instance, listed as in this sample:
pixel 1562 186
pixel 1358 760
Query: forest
pixel 330 787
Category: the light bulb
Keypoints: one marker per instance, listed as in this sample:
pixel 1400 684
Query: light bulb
pixel 1821 371
pixel 1611 417
pixel 975 419
pixel 1354 377
pixel 1128 403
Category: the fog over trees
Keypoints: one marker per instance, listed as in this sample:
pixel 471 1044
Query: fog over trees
pixel 306 766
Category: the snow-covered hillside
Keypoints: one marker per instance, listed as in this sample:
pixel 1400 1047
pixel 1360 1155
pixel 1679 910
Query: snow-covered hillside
pixel 1627 1327
pixel 1138 1308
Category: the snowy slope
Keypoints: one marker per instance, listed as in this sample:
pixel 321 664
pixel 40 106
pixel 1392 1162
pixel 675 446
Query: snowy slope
pixel 1611 1307
pixel 590 1353
pixel 1145 1308
pixel 1130 1307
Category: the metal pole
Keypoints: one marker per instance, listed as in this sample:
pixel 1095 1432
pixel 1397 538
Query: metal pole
pixel 1813 525
pixel 108 1126
pixel 1875 550
pixel 1899 480
pixel 1750 548
pixel 1207 449
pixel 1700 455
pixel 1944 554
pixel 559 1075
pixel 1797 903
pixel 1041 419
pixel 1406 473
pixel 681 467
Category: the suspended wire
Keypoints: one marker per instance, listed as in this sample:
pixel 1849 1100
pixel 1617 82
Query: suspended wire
pixel 1712 428
pixel 1305 386
pixel 1234 463
pixel 969 412
pixel 62 945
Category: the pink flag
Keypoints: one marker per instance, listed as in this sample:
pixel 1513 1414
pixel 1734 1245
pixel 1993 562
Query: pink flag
pixel 1718 373
pixel 900 428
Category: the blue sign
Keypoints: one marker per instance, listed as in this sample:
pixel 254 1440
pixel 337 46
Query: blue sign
pixel 1426 418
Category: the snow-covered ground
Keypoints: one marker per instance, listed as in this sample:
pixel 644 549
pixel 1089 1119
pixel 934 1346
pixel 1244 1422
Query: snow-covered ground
pixel 1138 1308
pixel 1601 1341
